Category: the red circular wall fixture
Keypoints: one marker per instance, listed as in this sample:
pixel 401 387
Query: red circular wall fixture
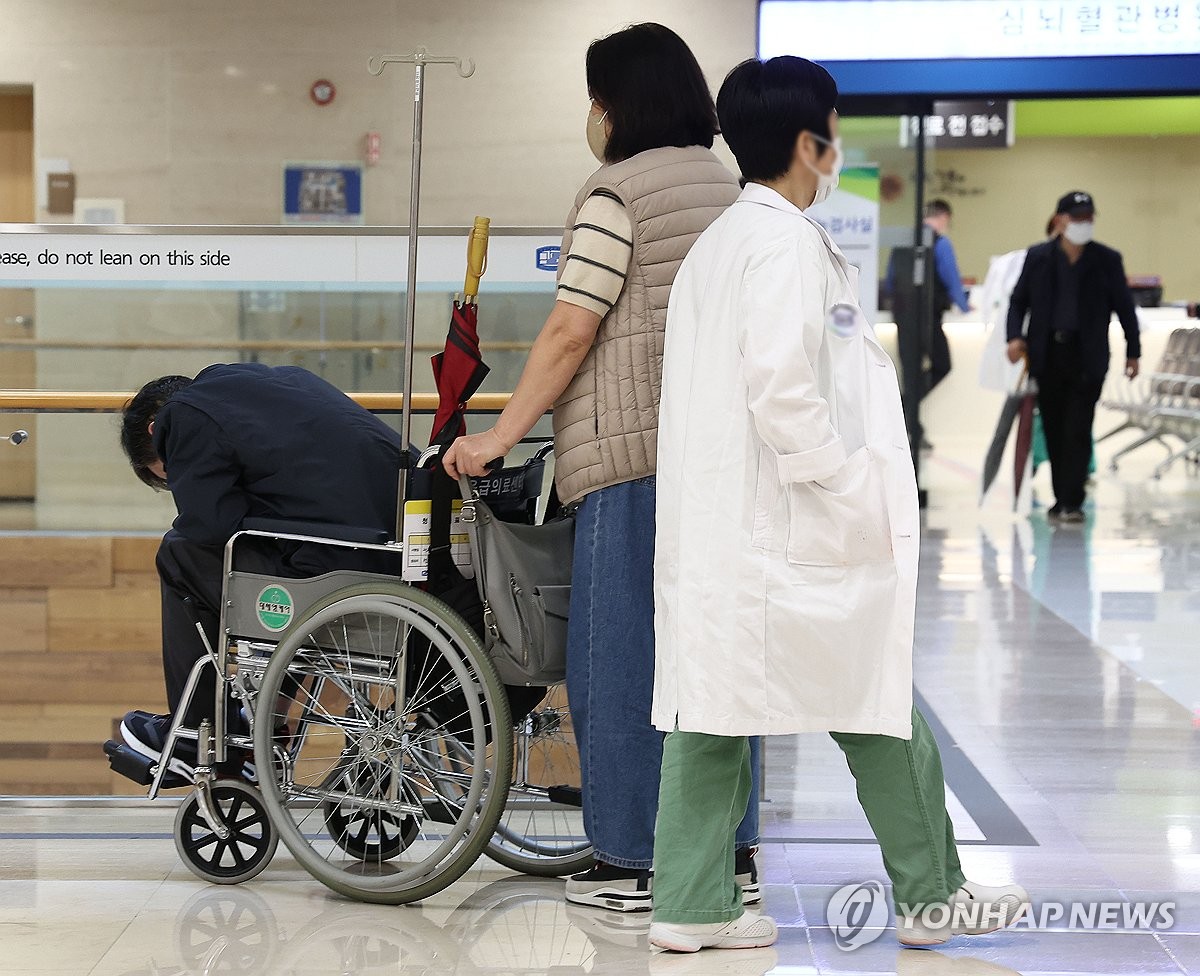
pixel 322 91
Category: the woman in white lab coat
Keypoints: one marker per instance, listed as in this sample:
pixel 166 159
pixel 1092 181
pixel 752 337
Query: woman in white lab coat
pixel 787 538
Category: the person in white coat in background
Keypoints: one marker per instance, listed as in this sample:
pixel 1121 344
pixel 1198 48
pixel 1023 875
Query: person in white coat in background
pixel 787 539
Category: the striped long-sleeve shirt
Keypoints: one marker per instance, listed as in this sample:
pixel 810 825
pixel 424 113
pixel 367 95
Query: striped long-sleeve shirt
pixel 601 248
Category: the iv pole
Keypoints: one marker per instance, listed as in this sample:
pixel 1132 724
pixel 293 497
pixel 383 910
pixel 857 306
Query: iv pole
pixel 375 66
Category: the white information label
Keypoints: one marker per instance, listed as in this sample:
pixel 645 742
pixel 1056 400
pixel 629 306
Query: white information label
pixel 416 541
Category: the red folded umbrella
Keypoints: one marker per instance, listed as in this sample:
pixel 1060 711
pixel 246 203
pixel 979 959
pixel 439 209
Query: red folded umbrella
pixel 458 372
pixel 459 369
pixel 1023 444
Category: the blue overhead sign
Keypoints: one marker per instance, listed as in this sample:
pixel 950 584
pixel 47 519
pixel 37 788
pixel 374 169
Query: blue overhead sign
pixel 899 47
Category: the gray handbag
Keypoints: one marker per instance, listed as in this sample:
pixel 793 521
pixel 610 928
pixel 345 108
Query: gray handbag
pixel 524 577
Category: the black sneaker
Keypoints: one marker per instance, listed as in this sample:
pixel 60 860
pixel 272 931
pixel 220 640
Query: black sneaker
pixel 1072 516
pixel 630 890
pixel 1055 511
pixel 613 888
pixel 745 873
pixel 146 734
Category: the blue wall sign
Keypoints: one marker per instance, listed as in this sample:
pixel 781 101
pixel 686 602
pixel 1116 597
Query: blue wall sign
pixel 547 257
pixel 324 193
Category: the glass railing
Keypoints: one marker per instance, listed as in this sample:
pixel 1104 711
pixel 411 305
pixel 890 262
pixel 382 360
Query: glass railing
pixel 106 309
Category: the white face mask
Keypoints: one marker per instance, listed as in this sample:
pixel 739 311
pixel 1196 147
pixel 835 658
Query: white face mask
pixel 1079 233
pixel 827 182
pixel 597 138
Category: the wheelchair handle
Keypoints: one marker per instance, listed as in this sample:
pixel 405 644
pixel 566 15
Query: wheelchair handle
pixel 431 454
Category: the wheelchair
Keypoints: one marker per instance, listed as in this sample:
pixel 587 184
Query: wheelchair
pixel 385 754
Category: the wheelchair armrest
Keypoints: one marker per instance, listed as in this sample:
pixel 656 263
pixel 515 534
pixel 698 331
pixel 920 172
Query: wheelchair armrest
pixel 321 530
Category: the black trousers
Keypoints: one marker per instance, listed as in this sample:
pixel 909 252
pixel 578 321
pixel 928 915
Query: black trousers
pixel 190 576
pixel 1067 399
pixel 939 356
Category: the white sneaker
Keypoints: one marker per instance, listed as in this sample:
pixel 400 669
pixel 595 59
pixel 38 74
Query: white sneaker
pixel 750 931
pixel 974 909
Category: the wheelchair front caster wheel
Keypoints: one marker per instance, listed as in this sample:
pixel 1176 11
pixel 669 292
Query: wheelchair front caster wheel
pixel 251 843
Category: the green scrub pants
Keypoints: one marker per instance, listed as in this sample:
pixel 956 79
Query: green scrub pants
pixel 704 790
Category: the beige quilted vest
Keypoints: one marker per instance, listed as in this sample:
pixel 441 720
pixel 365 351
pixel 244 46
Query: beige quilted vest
pixel 606 421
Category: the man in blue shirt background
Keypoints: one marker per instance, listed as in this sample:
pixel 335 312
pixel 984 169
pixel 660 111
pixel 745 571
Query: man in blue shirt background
pixel 948 292
pixel 948 289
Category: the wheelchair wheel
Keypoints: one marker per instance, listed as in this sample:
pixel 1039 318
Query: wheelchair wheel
pixel 379 700
pixel 541 830
pixel 367 834
pixel 251 843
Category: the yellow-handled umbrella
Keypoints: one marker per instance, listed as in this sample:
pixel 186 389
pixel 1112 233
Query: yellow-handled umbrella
pixel 458 370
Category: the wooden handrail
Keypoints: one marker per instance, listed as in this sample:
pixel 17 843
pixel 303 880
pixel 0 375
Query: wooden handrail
pixel 47 401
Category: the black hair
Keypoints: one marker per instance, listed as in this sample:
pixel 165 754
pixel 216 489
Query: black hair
pixel 135 425
pixel 938 208
pixel 763 106
pixel 650 84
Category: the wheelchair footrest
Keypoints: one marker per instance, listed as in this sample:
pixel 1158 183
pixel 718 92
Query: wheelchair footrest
pixel 568 796
pixel 132 765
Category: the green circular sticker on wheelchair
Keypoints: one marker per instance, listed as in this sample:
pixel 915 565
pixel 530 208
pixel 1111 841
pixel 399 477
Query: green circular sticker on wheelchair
pixel 274 608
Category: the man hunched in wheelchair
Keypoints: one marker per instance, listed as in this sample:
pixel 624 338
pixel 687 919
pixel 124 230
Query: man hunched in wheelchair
pixel 246 441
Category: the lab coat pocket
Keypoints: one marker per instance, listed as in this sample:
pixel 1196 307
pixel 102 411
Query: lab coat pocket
pixel 765 534
pixel 843 520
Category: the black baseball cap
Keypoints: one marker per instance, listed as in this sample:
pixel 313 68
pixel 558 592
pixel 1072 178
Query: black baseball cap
pixel 1077 203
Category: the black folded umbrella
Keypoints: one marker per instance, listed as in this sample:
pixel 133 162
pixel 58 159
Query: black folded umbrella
pixel 1019 402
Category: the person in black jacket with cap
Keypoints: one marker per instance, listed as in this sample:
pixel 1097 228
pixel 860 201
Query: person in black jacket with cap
pixel 247 441
pixel 1069 288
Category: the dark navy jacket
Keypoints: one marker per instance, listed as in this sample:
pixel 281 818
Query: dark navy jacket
pixel 248 440
pixel 1103 290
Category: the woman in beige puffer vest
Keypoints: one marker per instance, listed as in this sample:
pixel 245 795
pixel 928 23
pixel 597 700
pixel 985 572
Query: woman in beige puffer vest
pixel 598 363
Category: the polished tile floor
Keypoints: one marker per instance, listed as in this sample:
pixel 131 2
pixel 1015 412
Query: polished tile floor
pixel 1060 667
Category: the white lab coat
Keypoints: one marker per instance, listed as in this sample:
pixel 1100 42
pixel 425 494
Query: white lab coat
pixel 787 516
pixel 995 371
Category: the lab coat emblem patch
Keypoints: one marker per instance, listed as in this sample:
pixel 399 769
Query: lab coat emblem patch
pixel 842 320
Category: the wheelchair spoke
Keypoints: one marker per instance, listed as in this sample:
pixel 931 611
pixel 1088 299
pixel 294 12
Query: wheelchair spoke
pixel 202 842
pixel 541 830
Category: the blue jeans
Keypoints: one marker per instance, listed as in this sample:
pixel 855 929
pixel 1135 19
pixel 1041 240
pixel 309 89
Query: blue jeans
pixel 610 676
